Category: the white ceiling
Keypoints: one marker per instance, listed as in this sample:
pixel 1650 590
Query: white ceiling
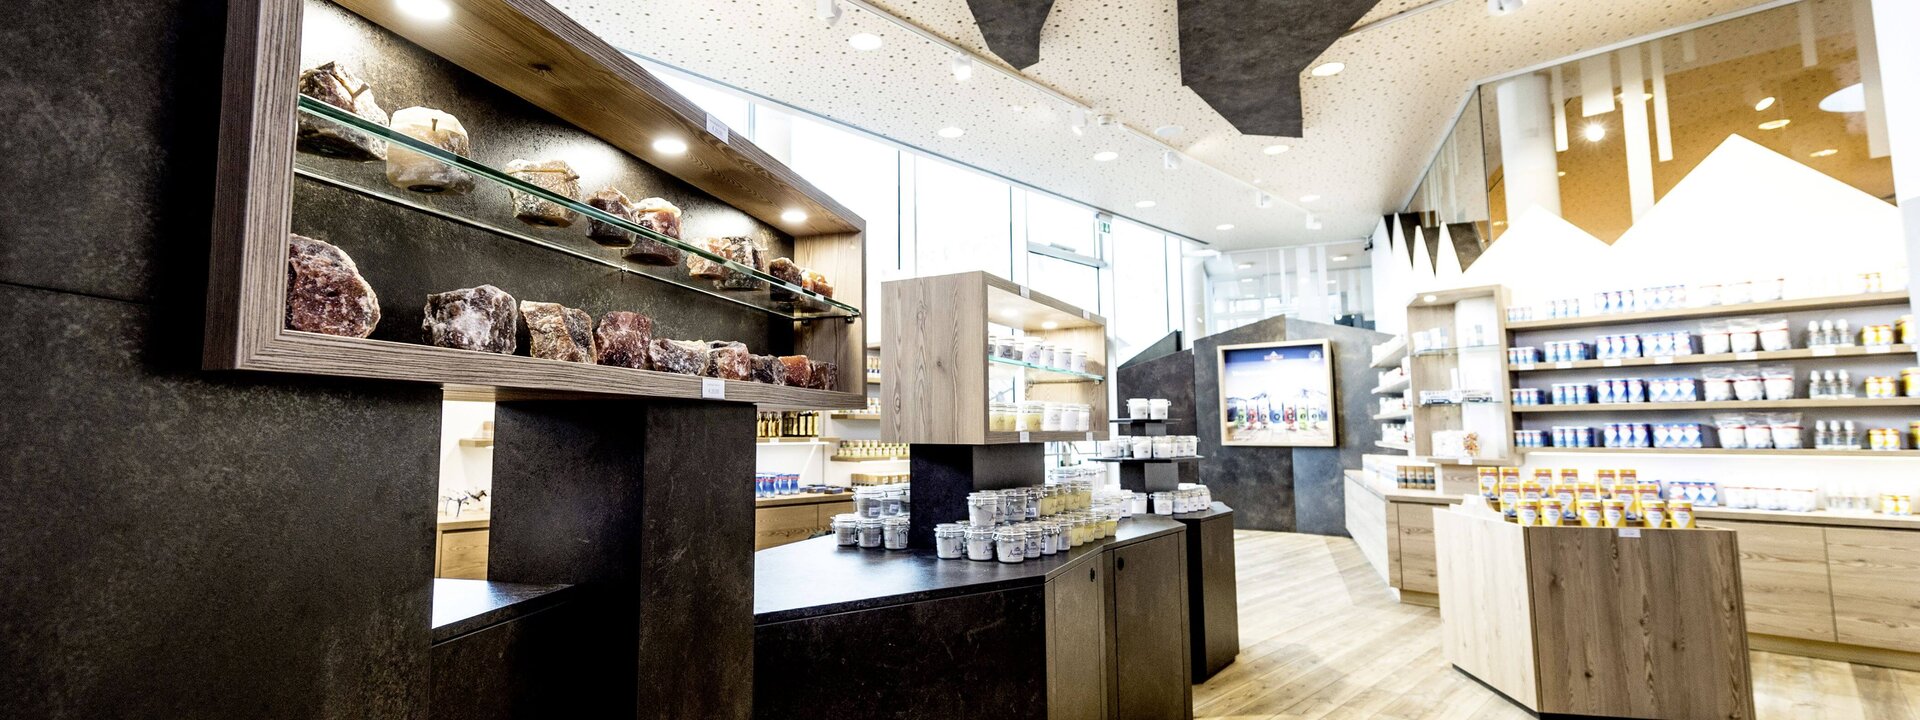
pixel 1369 131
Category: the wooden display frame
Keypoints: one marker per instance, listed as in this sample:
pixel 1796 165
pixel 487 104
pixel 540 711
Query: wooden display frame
pixel 1333 395
pixel 1430 371
pixel 934 388
pixel 532 50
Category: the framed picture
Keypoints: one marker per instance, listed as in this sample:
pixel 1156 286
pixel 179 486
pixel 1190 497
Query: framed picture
pixel 1277 394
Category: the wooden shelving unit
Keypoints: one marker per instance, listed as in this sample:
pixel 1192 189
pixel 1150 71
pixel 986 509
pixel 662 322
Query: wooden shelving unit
pixel 1393 445
pixel 566 70
pixel 1388 354
pixel 939 380
pixel 1794 404
pixel 1394 416
pixel 1851 351
pixel 1713 311
pixel 1392 387
pixel 1479 361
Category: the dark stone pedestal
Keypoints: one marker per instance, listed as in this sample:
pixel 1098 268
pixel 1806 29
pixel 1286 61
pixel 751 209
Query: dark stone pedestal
pixel 944 474
pixel 1213 600
pixel 1149 477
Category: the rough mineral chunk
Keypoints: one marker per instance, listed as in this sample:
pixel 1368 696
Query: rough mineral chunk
pixel 615 203
pixel 662 217
pixel 767 369
pixel 687 357
pixel 816 283
pixel 325 292
pixel 729 360
pixel 624 339
pixel 703 268
pixel 417 172
pixel 554 176
pixel 743 251
pixel 333 84
pixel 825 376
pixel 557 332
pixel 784 270
pixel 799 371
pixel 481 318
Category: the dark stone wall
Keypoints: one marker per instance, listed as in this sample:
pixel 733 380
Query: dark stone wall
pixel 1319 499
pixel 1257 482
pixel 1168 376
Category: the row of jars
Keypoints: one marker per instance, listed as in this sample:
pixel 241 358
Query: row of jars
pixel 988 508
pixel 868 449
pixel 852 530
pixel 1141 446
pixel 1038 352
pixel 1024 541
pixel 1188 497
pixel 876 502
pixel 1037 416
pixel 1148 408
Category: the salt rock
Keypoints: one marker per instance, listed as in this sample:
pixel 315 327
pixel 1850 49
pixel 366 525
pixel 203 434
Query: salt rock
pixel 729 360
pixel 662 217
pixel 332 83
pixel 686 357
pixel 615 203
pixel 554 176
pixel 325 292
pixel 767 369
pixel 623 339
pixel 784 270
pixel 480 318
pixel 557 332
pixel 814 282
pixel 699 266
pixel 825 376
pixel 746 252
pixel 799 371
pixel 411 170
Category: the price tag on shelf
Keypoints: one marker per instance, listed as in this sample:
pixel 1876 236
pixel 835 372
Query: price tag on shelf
pixel 1523 365
pixel 718 129
pixel 1610 362
pixel 1024 437
pixel 1879 349
pixel 713 388
pixel 1463 460
pixel 1563 365
pixel 1089 436
pixel 1025 293
pixel 1825 351
pixel 1663 360
pixel 1084 315
pixel 1746 356
pixel 1629 532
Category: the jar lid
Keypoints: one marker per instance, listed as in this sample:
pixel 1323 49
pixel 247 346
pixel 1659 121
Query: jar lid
pixel 870 522
pixel 894 521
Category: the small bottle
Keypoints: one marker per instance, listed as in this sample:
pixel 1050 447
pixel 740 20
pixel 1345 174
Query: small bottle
pixel 1826 333
pixel 1848 440
pixel 1816 387
pixel 1814 337
pixel 1845 336
pixel 1845 387
pixel 1821 439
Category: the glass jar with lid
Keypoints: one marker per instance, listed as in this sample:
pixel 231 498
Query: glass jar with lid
pixel 1034 347
pixel 890 502
pixel 893 531
pixel 1049 538
pixel 846 530
pixel 1031 499
pixel 1109 524
pixel 867 502
pixel 979 542
pixel 983 509
pixel 1162 447
pixel 1010 544
pixel 1050 419
pixel 949 541
pixel 1062 536
pixel 1035 536
pixel 1033 415
pixel 1163 503
pixel 871 530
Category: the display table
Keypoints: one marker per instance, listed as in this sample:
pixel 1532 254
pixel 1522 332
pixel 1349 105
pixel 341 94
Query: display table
pixel 1213 597
pixel 1394 530
pixel 1636 623
pixel 791 518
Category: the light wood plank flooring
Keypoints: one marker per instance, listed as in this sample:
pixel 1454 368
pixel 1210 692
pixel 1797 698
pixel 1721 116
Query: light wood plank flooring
pixel 1322 637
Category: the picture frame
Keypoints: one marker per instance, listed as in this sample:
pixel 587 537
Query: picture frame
pixel 1278 394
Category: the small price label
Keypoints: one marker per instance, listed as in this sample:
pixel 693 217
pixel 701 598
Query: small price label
pixel 713 388
pixel 1611 362
pixel 1464 460
pixel 1563 365
pixel 1663 360
pixel 1523 365
pixel 1024 437
pixel 1084 315
pixel 1879 349
pixel 1629 532
pixel 1025 293
pixel 1746 356
pixel 1825 351
pixel 718 129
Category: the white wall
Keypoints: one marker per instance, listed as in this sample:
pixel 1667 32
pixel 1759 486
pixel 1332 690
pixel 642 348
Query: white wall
pixel 464 468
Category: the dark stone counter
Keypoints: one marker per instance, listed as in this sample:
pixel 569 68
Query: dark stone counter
pixel 815 577
pixel 1219 509
pixel 464 606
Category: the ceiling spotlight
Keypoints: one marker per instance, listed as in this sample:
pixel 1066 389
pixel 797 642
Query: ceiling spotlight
pixel 1145 204
pixel 1105 155
pixel 1309 198
pixel 670 146
pixel 1328 69
pixel 1497 8
pixel 1245 266
pixel 1563 173
pixel 1595 132
pixel 1167 131
pixel 1823 153
pixel 1246 279
pixel 426 9
pixel 1774 124
pixel 1430 298
pixel 795 215
pixel 827 11
pixel 865 41
pixel 951 132
pixel 1077 121
pixel 1852 98
pixel 1223 226
pixel 962 67
pixel 1313 221
pixel 1102 120
pixel 1765 102
pixel 1275 149
pixel 1340 258
pixel 1262 200
pixel 1170 160
pixel 1049 325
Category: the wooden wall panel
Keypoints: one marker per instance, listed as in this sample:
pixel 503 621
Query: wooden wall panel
pixel 1419 570
pixel 1876 587
pixel 1486 628
pixel 1783 571
pixel 933 383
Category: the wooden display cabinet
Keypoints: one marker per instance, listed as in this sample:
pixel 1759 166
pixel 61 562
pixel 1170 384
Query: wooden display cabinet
pixel 1474 320
pixel 940 381
pixel 531 50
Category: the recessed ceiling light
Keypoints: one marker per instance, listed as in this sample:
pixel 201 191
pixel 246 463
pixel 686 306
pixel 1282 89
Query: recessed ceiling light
pixel 1852 98
pixel 1049 325
pixel 1224 226
pixel 1328 69
pixel 951 132
pixel 1823 153
pixel 1246 279
pixel 670 146
pixel 1774 124
pixel 426 9
pixel 1430 298
pixel 795 215
pixel 1339 258
pixel 1275 149
pixel 865 41
pixel 1244 266
pixel 1765 102
pixel 962 67
pixel 1144 204
pixel 1309 197
pixel 1167 131
pixel 1105 155
pixel 1595 132
pixel 1563 173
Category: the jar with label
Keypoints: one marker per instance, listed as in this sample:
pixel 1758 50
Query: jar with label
pixel 846 530
pixel 1162 447
pixel 1010 544
pixel 1138 503
pixel 1050 417
pixel 1079 361
pixel 979 542
pixel 1032 414
pixel 890 503
pixel 1157 408
pixel 1142 446
pixel 871 532
pixel 1137 408
pixel 949 541
pixel 1163 503
pixel 1049 538
pixel 1034 537
pixel 893 532
pixel 1062 536
pixel 867 502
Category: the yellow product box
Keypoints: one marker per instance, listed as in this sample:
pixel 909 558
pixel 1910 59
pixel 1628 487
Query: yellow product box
pixel 1591 514
pixel 1510 499
pixel 1570 476
pixel 1613 513
pixel 1490 483
pixel 1653 513
pixel 1680 514
pixel 1529 514
pixel 1552 512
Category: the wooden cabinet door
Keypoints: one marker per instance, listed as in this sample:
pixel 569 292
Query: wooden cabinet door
pixel 1419 571
pixel 1077 644
pixel 1151 672
pixel 1876 587
pixel 781 525
pixel 463 554
pixel 1783 574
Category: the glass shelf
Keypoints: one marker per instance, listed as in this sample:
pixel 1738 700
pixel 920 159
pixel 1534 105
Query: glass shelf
pixel 1430 352
pixel 488 206
pixel 1047 374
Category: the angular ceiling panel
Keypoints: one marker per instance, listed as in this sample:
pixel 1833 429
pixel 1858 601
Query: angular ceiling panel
pixel 1012 27
pixel 1244 57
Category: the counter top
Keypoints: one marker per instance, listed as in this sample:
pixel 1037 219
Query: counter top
pixel 1219 509
pixel 816 577
pixel 1394 494
pixel 466 521
pixel 464 606
pixel 1821 517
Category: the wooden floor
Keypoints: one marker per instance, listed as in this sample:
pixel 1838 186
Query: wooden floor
pixel 1322 637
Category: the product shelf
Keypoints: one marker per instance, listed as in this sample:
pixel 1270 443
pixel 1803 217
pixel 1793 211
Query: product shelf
pixel 1188 458
pixel 1039 374
pixel 1034 436
pixel 1436 352
pixel 1724 452
pixel 1817 303
pixel 1392 387
pixel 1819 353
pixel 1795 403
pixel 1388 354
pixel 1393 445
pixel 1394 416
pixel 487 207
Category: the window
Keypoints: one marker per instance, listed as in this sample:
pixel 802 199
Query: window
pixel 1075 283
pixel 962 222
pixel 730 108
pixel 863 175
pixel 1140 288
pixel 1060 224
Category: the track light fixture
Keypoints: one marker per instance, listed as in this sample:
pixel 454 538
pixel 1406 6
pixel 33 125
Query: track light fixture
pixel 962 67
pixel 1170 159
pixel 827 11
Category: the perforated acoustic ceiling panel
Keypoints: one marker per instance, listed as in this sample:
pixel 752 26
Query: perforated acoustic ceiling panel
pixel 1244 57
